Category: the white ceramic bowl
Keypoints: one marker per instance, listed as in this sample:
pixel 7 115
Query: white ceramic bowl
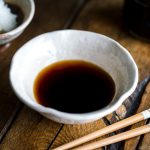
pixel 28 9
pixel 51 47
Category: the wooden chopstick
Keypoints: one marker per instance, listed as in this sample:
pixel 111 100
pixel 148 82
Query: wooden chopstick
pixel 116 138
pixel 116 126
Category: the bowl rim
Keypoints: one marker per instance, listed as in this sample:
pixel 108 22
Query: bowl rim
pixel 78 117
pixel 24 24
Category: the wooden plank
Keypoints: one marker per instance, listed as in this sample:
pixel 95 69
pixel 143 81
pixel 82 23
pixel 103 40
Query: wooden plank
pixel 30 131
pixel 72 132
pixel 9 105
pixel 50 15
pixel 75 13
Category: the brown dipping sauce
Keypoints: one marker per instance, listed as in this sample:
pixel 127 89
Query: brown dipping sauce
pixel 74 86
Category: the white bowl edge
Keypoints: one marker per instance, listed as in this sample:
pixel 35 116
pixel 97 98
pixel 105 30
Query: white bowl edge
pixel 85 117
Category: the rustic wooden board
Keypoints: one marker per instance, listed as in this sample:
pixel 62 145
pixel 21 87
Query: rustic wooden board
pixel 50 15
pixel 101 17
pixel 72 132
pixel 30 131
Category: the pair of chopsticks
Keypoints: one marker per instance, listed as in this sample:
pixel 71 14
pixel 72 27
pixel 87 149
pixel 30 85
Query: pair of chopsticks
pixel 113 139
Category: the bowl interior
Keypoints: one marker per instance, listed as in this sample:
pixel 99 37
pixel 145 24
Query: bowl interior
pixel 28 8
pixel 73 45
pixel 25 6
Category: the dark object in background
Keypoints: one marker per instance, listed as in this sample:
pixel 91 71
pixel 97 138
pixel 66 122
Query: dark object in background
pixel 137 18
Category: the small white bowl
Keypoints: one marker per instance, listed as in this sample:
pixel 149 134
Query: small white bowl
pixel 28 9
pixel 51 47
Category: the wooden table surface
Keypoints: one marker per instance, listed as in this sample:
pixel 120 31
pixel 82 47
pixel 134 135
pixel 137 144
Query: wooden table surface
pixel 21 128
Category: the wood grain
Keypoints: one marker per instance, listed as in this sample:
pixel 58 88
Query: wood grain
pixel 104 131
pixel 72 132
pixel 101 17
pixel 50 15
pixel 30 131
